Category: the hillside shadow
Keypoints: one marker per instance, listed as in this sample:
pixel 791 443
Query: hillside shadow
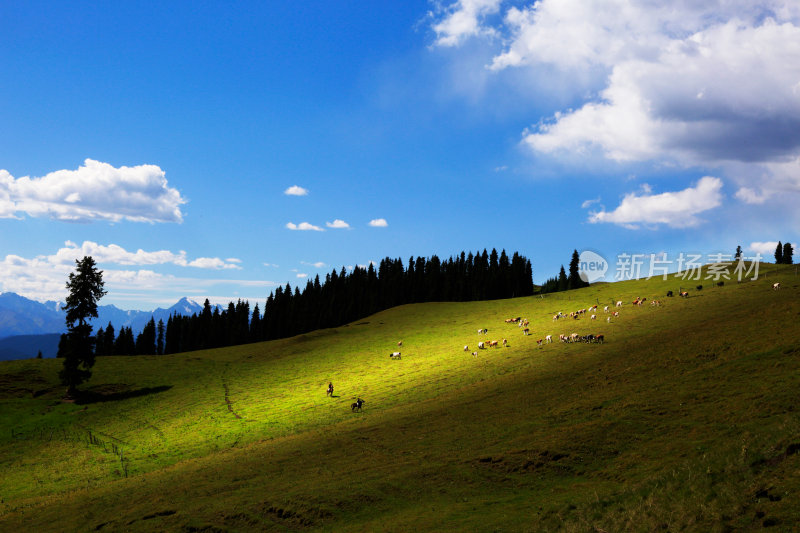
pixel 114 393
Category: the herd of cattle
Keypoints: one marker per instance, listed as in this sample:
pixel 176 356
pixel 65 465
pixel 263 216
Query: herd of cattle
pixel 523 323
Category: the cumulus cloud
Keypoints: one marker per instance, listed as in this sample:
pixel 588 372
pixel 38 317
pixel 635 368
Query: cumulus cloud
pixel 116 254
pixel 766 248
pixel 707 84
pixel 42 277
pixel 378 223
pixel 463 19
pixel 295 190
pixel 301 275
pixel 303 226
pixel 95 191
pixel 318 264
pixel 675 209
pixel 338 224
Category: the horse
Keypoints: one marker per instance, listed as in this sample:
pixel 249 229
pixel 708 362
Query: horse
pixel 357 405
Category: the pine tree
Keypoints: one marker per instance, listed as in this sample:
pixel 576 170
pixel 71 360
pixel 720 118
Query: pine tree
pixel 779 254
pixel 563 281
pixel 108 341
pixel 160 329
pixel 787 254
pixel 85 287
pixel 575 281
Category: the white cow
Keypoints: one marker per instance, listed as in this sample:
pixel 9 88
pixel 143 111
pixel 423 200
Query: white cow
pixel 466 348
pixel 481 345
pixel 776 286
pixel 605 309
pixel 593 317
pixel 395 355
pixel 619 303
pixel 549 338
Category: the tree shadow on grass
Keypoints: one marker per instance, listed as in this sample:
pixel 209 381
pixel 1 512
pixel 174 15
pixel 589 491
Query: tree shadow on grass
pixel 115 392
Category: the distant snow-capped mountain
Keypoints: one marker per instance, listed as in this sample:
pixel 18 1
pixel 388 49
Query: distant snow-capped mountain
pixel 22 316
pixel 27 326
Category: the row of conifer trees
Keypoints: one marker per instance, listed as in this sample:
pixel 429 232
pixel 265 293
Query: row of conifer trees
pixel 341 298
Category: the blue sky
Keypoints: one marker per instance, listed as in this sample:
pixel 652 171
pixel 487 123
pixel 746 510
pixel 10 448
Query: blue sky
pixel 164 139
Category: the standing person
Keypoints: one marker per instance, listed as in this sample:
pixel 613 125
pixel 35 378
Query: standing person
pixel 330 389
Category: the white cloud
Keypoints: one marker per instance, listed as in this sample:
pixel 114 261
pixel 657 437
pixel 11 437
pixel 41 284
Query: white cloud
pixel 378 223
pixel 692 84
pixel 95 191
pixel 318 264
pixel 43 277
pixel 338 224
pixel 270 265
pixel 675 209
pixel 301 275
pixel 116 254
pixel 463 19
pixel 750 196
pixel 589 203
pixel 767 249
pixel 295 190
pixel 303 226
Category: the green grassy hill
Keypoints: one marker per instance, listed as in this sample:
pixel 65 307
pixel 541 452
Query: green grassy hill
pixel 684 419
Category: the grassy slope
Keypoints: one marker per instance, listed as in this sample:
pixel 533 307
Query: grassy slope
pixel 685 418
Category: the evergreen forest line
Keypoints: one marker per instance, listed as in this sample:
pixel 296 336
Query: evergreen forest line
pixel 341 298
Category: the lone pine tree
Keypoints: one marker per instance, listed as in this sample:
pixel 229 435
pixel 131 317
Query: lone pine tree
pixel 85 287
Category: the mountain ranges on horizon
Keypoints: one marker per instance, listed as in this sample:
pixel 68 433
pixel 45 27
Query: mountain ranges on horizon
pixel 23 320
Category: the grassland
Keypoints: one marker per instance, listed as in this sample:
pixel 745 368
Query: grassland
pixel 684 419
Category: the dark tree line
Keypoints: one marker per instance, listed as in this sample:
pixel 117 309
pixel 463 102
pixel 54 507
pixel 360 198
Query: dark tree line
pixel 562 282
pixel 783 254
pixel 340 298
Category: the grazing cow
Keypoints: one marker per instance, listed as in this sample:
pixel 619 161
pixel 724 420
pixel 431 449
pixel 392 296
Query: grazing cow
pixel 593 317
pixel 608 319
pixel 556 317
pixel 395 355
pixel 669 294
pixel 483 331
pixel 684 294
pixel 357 405
pixel 474 354
pixel 548 338
pixel 616 314
pixel 562 338
pixel 605 309
pixel 600 338
pixel 493 344
pixel 574 337
pixel 619 303
pixel 539 343
pixel 505 342
pixel 776 286
pixel 481 345
pixel 466 348
pixel 526 331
